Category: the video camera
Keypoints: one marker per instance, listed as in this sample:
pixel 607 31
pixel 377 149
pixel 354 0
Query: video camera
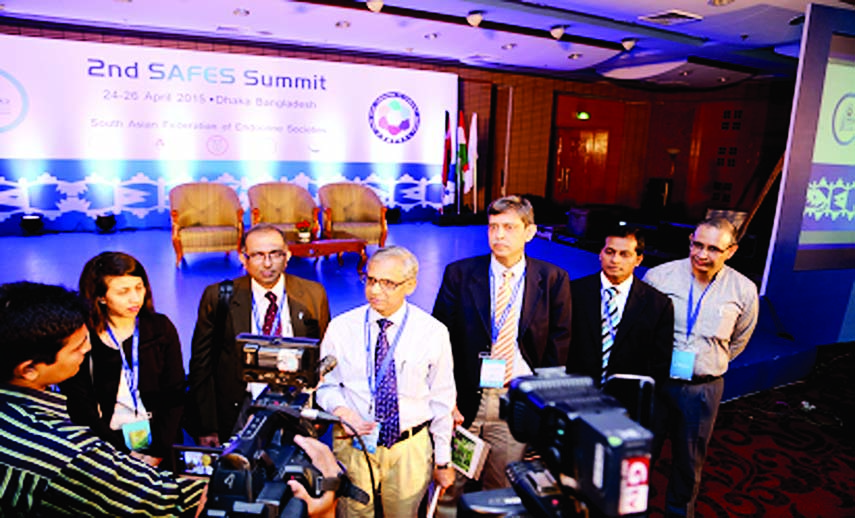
pixel 250 476
pixel 594 459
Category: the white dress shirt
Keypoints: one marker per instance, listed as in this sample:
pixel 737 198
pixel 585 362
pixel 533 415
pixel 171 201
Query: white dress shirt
pixel 423 365
pixel 622 293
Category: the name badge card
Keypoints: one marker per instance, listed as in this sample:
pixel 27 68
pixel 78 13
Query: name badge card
pixel 682 364
pixel 492 373
pixel 137 435
pixel 370 440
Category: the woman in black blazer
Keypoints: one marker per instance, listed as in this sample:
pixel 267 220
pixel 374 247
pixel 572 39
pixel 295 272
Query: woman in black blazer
pixel 131 397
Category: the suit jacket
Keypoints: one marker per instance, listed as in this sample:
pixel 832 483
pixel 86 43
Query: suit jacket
pixel 645 334
pixel 463 305
pixel 216 388
pixel 91 394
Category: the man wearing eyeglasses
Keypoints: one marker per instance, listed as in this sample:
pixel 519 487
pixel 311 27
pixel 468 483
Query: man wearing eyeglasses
pixel 266 301
pixel 715 312
pixel 507 314
pixel 394 384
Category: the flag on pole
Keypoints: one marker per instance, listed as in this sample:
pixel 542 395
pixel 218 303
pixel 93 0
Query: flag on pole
pixel 462 159
pixel 472 155
pixel 447 191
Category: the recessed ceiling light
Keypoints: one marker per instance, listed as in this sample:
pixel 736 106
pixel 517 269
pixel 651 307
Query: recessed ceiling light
pixel 722 79
pixel 240 11
pixel 474 18
pixel 574 55
pixel 719 3
pixel 342 24
pixel 509 46
pixel 431 35
pixel 685 73
pixel 558 31
pixel 374 5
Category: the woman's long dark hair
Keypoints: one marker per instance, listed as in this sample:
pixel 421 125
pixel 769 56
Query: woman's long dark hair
pixel 93 284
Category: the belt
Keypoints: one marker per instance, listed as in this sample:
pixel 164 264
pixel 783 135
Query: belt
pixel 406 434
pixel 698 380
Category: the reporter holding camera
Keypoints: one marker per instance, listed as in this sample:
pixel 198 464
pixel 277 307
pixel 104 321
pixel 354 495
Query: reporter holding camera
pixel 49 465
pixel 394 384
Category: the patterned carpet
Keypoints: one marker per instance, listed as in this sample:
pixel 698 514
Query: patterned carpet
pixel 786 452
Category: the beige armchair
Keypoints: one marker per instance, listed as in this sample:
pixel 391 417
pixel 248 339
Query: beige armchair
pixel 355 209
pixel 206 217
pixel 282 204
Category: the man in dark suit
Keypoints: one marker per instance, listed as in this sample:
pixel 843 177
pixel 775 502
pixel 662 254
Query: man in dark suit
pixel 507 314
pixel 217 390
pixel 637 337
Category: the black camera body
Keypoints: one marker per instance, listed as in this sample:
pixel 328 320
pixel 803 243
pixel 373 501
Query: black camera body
pixel 250 477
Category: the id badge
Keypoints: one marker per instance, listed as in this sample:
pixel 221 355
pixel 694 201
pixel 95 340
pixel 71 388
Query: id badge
pixel 682 364
pixel 492 373
pixel 137 435
pixel 370 440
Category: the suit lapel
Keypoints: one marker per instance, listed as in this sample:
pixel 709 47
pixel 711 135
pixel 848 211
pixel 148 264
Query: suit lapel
pixel 632 308
pixel 592 290
pixel 480 293
pixel 532 294
pixel 241 305
pixel 295 294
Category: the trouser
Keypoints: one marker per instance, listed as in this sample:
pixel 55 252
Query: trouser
pixel 689 411
pixel 402 473
pixel 504 449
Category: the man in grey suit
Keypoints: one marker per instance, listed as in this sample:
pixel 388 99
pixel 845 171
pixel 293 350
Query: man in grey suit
pixel 266 301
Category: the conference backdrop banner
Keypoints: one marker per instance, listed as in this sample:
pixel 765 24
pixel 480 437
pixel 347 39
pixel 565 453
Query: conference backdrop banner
pixel 89 129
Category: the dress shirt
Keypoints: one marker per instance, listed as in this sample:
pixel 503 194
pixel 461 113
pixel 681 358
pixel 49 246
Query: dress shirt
pixel 497 272
pixel 622 292
pixel 726 319
pixel 261 303
pixel 53 467
pixel 423 364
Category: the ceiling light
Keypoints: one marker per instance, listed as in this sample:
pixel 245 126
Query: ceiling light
pixel 240 11
pixel 558 31
pixel 374 5
pixel 685 73
pixel 628 43
pixel 719 3
pixel 574 55
pixel 722 79
pixel 475 18
pixel 342 24
pixel 509 46
pixel 582 115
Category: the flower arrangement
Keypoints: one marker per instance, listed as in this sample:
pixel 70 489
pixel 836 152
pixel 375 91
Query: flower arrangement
pixel 303 226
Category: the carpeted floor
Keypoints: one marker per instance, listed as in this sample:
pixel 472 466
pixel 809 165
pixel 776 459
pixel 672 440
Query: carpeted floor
pixel 786 452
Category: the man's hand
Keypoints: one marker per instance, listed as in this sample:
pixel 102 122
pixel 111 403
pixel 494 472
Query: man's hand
pixel 457 416
pixel 355 420
pixel 324 460
pixel 444 477
pixel 212 441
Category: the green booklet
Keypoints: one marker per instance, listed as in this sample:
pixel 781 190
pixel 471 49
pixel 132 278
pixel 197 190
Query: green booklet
pixel 468 452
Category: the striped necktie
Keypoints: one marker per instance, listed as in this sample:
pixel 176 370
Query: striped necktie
pixel 503 348
pixel 609 326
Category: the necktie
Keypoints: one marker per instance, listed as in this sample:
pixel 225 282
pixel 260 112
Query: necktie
pixel 386 411
pixel 270 316
pixel 503 348
pixel 609 325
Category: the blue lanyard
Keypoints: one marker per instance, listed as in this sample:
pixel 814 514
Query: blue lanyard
pixel 131 373
pixel 259 322
pixel 390 355
pixel 692 314
pixel 497 324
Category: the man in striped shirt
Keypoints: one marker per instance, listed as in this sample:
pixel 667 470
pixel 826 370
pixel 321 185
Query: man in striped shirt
pixel 48 465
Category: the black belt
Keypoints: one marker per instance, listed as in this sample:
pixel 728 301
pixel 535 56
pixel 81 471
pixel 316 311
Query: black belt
pixel 698 380
pixel 406 434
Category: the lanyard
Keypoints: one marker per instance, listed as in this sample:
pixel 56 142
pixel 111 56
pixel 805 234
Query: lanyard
pixel 387 361
pixel 692 314
pixel 259 322
pixel 131 373
pixel 497 324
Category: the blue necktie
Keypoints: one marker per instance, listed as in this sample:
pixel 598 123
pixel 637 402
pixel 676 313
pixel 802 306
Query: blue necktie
pixel 386 412
pixel 609 326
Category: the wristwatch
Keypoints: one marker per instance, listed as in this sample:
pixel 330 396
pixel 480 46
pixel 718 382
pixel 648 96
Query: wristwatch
pixel 443 466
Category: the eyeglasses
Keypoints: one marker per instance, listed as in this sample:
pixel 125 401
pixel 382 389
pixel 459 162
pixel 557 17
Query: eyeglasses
pixel 699 247
pixel 273 255
pixel 385 284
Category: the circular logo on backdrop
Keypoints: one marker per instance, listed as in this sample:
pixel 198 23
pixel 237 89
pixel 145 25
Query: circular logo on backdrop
pixel 843 120
pixel 394 117
pixel 13 102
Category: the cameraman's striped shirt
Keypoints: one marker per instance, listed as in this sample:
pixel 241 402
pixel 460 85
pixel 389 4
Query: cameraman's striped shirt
pixel 50 466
